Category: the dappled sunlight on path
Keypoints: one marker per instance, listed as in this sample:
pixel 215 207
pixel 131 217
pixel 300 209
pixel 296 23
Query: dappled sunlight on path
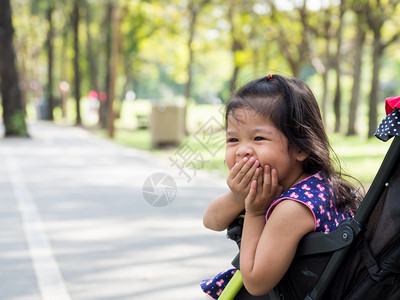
pixel 104 240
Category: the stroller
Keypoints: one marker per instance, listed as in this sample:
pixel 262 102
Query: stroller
pixel 361 258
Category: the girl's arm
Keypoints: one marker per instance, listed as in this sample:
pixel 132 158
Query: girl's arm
pixel 221 212
pixel 268 248
pixel 223 209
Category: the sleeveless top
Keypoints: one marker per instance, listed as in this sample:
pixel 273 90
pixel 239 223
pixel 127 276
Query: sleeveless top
pixel 317 194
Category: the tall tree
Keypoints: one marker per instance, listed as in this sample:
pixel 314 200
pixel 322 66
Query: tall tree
pixel 237 44
pixel 103 112
pixel 77 72
pixel 115 42
pixel 338 93
pixel 194 10
pixel 377 14
pixel 63 72
pixel 361 32
pixel 135 27
pixel 38 7
pixel 50 57
pixel 321 28
pixel 91 53
pixel 324 30
pixel 13 114
pixel 289 40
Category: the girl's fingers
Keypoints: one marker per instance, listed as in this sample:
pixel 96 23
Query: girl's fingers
pixel 257 175
pixel 267 175
pixel 271 185
pixel 234 177
pixel 274 179
pixel 237 167
pixel 253 190
pixel 276 188
pixel 243 172
pixel 249 172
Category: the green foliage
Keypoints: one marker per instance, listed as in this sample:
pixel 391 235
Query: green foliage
pixel 154 50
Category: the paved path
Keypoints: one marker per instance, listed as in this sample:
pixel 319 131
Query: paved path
pixel 75 224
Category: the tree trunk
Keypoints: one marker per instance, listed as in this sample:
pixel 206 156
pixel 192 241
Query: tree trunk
pixel 234 78
pixel 295 59
pixel 63 75
pixel 327 34
pixel 337 102
pixel 193 11
pixel 77 74
pixel 374 95
pixel 235 46
pixel 355 93
pixel 128 76
pixel 103 113
pixel 338 95
pixel 375 19
pixel 91 54
pixel 324 101
pixel 115 38
pixel 23 81
pixel 303 47
pixel 13 114
pixel 50 61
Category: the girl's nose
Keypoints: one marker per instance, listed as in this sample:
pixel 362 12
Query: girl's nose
pixel 244 151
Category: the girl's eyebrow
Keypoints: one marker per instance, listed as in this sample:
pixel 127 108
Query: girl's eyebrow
pixel 255 130
pixel 263 130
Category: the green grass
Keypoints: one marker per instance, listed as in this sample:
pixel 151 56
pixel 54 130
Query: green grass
pixel 359 157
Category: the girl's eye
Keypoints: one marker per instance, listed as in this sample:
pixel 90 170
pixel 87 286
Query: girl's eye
pixel 259 138
pixel 231 140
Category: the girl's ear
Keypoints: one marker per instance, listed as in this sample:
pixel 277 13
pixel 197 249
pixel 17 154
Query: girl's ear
pixel 300 155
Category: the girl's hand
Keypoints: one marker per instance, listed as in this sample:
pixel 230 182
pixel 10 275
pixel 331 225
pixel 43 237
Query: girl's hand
pixel 263 192
pixel 240 177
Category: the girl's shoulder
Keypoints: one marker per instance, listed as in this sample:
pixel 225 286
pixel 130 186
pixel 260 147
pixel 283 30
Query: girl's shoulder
pixel 314 187
pixel 316 193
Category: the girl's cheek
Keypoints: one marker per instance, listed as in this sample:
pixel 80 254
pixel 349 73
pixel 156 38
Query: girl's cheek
pixel 230 165
pixel 230 159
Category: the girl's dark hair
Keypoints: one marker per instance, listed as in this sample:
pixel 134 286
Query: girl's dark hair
pixel 291 106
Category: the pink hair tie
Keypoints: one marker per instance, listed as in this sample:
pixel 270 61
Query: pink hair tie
pixel 269 76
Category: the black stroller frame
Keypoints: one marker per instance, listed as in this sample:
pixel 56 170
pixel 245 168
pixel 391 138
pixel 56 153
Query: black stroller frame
pixel 325 266
pixel 352 230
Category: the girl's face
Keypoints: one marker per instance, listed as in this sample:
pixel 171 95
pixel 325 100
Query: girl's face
pixel 252 135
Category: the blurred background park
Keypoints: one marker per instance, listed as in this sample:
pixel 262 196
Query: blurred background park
pixel 80 77
pixel 116 67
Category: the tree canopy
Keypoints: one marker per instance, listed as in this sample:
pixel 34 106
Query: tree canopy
pixel 347 50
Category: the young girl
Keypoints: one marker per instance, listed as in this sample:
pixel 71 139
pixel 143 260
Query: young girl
pixel 281 175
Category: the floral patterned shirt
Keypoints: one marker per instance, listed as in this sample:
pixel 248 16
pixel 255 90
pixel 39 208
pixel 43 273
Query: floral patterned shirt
pixel 317 194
